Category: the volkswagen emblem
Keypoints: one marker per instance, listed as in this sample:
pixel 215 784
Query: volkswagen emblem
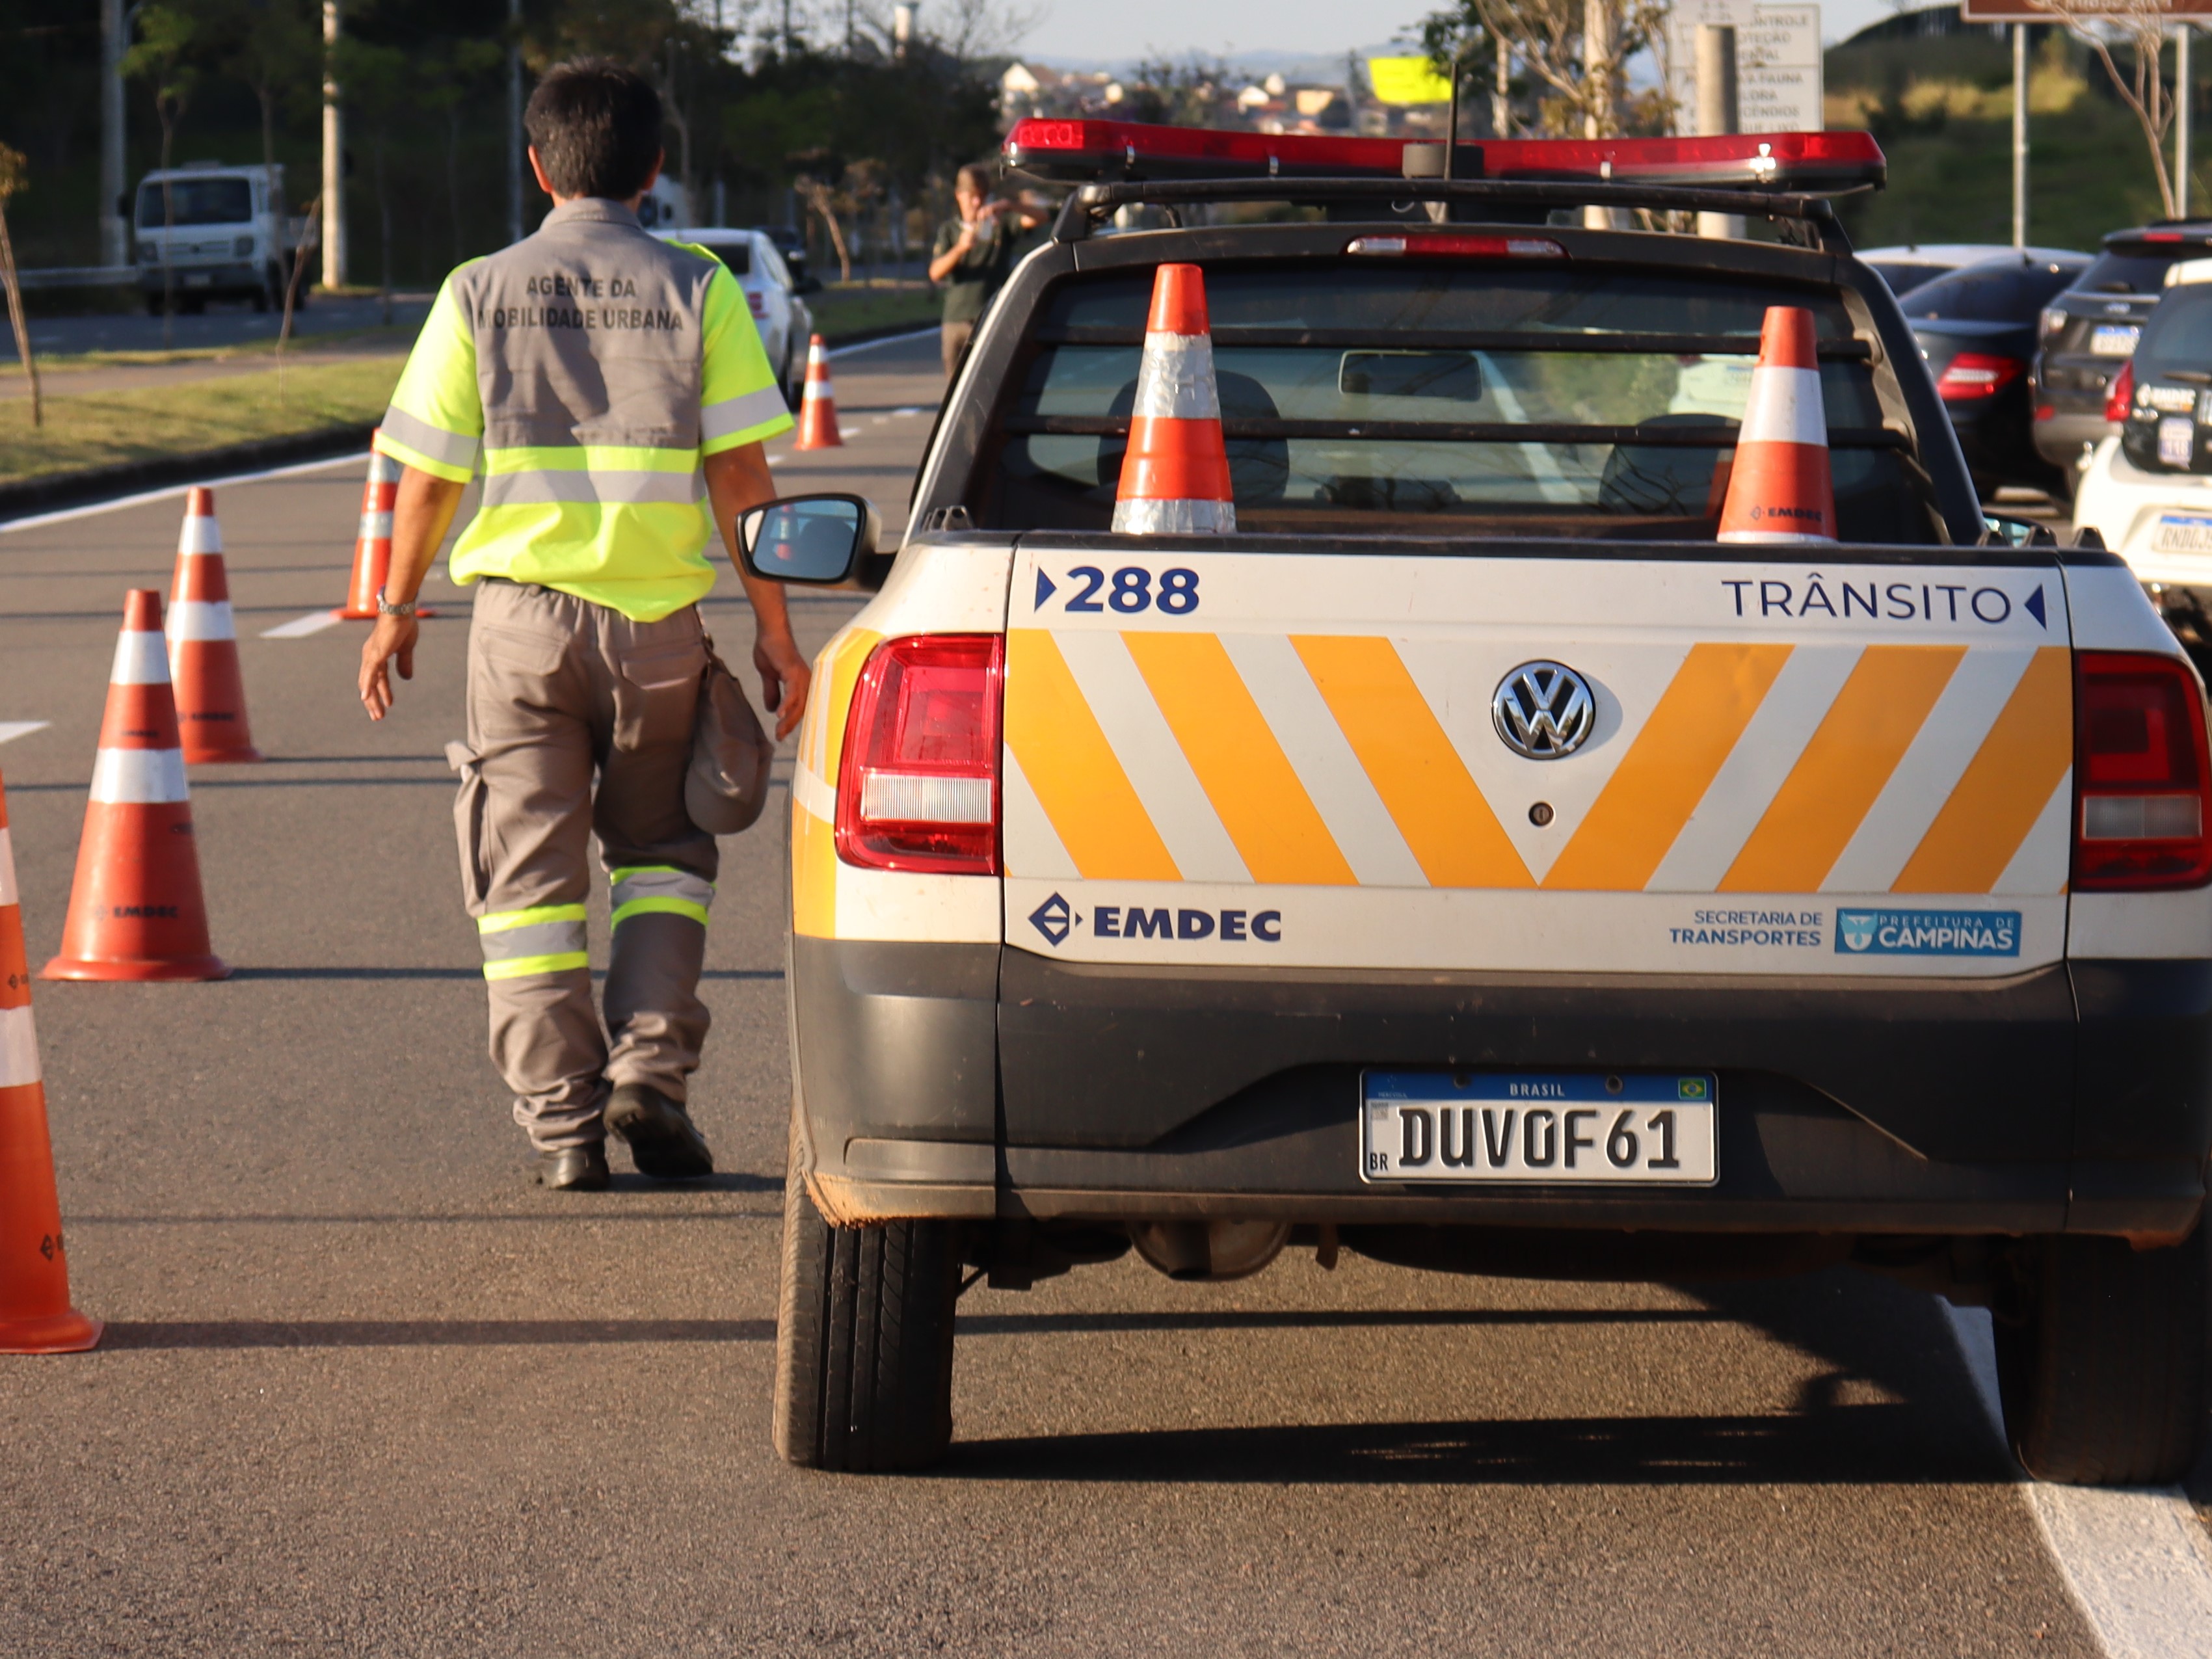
pixel 1543 710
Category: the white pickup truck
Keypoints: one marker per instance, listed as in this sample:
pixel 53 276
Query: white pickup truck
pixel 205 231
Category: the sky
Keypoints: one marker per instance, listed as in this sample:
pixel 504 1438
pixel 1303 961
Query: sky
pixel 1072 32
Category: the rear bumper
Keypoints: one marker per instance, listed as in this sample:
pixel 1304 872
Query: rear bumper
pixel 2060 439
pixel 956 1080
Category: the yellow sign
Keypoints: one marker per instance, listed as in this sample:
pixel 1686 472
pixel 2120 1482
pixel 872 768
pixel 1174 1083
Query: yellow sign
pixel 1407 81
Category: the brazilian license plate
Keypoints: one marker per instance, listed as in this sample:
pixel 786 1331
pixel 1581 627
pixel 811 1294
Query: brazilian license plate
pixel 1590 1128
pixel 2114 340
pixel 2182 532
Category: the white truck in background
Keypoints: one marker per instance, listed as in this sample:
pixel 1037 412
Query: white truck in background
pixel 204 231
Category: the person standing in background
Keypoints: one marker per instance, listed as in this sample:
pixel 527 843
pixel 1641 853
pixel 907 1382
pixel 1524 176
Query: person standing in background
pixel 973 255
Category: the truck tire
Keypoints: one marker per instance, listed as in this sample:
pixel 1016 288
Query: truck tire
pixel 862 1340
pixel 2101 1366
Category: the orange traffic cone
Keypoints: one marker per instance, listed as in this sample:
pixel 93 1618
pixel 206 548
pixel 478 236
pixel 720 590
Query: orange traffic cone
pixel 372 545
pixel 817 410
pixel 1175 477
pixel 1779 488
pixel 135 912
pixel 210 690
pixel 35 1315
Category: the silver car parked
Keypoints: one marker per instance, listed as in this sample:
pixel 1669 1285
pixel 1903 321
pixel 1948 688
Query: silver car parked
pixel 784 319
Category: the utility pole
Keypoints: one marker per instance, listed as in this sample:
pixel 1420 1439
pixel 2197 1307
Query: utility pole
pixel 1599 69
pixel 1501 96
pixel 2020 135
pixel 1717 110
pixel 114 224
pixel 334 224
pixel 2181 32
pixel 513 121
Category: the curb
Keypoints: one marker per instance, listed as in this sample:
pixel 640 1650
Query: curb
pixel 128 477
pixel 98 483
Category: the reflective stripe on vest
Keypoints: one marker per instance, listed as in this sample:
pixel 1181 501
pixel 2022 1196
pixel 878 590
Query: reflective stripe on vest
pixel 660 890
pixel 546 938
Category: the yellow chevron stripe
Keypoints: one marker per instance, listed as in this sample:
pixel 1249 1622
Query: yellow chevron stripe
pixel 1261 803
pixel 1668 769
pixel 2006 786
pixel 1423 783
pixel 1073 771
pixel 1843 768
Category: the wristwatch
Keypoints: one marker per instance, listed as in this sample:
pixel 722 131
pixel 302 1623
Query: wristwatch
pixel 386 608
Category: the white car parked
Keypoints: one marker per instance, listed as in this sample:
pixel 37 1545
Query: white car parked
pixel 2148 490
pixel 784 319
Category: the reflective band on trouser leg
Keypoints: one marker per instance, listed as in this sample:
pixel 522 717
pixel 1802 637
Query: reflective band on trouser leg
pixel 547 938
pixel 661 889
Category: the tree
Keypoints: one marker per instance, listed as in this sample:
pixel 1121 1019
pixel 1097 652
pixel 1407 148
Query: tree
pixel 2141 27
pixel 167 37
pixel 450 74
pixel 377 81
pixel 269 45
pixel 1574 48
pixel 15 178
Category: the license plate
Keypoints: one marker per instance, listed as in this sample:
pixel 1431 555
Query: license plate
pixel 1588 1128
pixel 2177 437
pixel 2114 340
pixel 2182 532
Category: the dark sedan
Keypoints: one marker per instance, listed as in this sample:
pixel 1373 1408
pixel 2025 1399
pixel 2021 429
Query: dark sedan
pixel 1977 328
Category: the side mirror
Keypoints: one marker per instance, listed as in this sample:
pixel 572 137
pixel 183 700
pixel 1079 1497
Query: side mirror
pixel 814 539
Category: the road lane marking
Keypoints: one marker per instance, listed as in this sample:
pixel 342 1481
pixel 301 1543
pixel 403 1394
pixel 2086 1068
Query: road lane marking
pixel 299 627
pixel 2135 1559
pixel 64 515
pixel 931 332
pixel 11 730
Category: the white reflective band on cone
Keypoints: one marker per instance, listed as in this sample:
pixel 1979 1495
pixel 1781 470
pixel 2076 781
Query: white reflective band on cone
pixel 139 777
pixel 1784 407
pixel 1173 519
pixel 200 534
pixel 9 893
pixel 1779 536
pixel 1175 379
pixel 19 1047
pixel 140 660
pixel 376 527
pixel 201 619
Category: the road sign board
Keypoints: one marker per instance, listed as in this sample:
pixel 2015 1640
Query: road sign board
pixel 1777 56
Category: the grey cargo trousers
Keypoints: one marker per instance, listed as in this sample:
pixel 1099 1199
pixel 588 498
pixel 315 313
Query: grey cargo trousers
pixel 560 689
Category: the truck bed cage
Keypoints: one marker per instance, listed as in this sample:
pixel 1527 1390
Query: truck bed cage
pixel 1804 218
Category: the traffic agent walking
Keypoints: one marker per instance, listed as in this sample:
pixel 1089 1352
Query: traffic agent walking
pixel 614 391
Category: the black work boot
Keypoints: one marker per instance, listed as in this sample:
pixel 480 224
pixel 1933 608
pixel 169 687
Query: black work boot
pixel 664 1143
pixel 574 1169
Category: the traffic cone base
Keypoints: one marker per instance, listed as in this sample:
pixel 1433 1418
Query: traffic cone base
pixel 817 410
pixel 1175 475
pixel 208 683
pixel 35 1314
pixel 135 908
pixel 1779 487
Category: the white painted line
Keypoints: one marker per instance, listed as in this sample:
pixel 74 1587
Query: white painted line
pixel 929 333
pixel 299 627
pixel 11 730
pixel 121 501
pixel 906 411
pixel 2136 1558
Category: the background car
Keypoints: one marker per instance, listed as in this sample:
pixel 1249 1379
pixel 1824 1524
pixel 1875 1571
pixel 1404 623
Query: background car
pixel 2148 490
pixel 791 242
pixel 783 319
pixel 2091 329
pixel 1977 329
pixel 1907 265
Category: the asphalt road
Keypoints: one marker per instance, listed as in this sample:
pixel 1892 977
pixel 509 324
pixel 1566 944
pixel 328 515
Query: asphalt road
pixel 223 323
pixel 366 1390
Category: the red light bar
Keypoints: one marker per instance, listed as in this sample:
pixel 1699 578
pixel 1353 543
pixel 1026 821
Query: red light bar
pixel 1097 151
pixel 1417 244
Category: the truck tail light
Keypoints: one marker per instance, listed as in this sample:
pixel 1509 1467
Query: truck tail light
pixel 919 789
pixel 1478 248
pixel 2122 392
pixel 1975 374
pixel 2142 779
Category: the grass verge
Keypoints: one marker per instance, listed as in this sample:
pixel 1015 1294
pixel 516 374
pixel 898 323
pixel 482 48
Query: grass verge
pixel 849 307
pixel 100 429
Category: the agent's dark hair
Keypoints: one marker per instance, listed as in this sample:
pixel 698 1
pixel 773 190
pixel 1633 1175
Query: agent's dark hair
pixel 596 127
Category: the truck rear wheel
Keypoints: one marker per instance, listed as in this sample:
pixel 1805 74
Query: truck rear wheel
pixel 2102 1368
pixel 862 1340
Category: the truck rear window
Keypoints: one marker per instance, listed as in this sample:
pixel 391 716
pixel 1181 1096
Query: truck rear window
pixel 1546 400
pixel 196 202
